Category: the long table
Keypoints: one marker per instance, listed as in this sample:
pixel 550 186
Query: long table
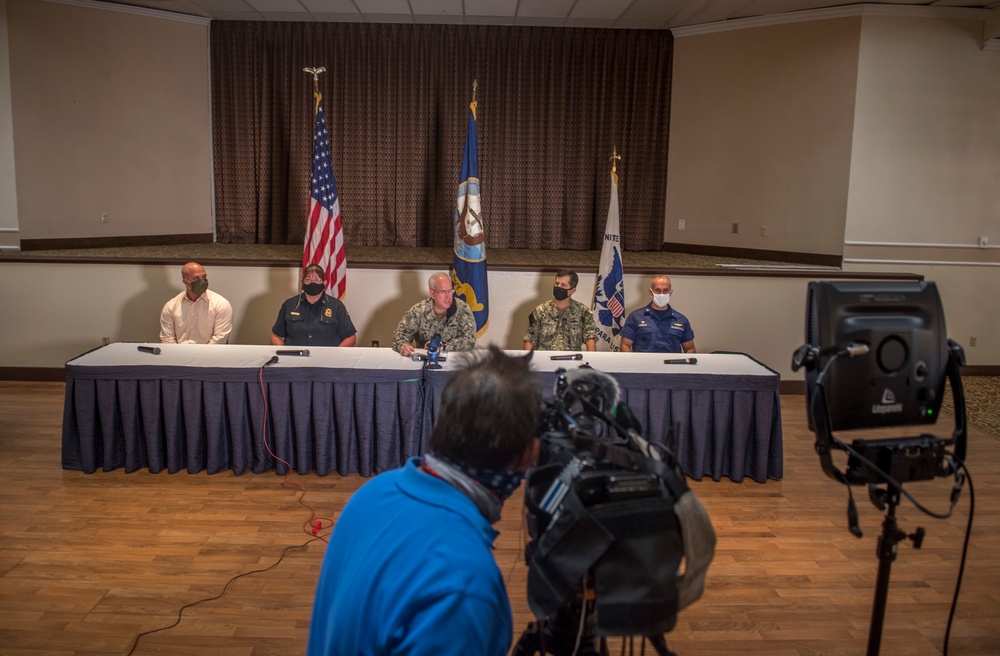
pixel 204 407
pixel 365 410
pixel 720 416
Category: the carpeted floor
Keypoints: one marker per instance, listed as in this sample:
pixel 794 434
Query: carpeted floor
pixel 982 402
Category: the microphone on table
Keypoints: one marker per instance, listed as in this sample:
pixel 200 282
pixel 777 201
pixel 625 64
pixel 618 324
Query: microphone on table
pixel 420 357
pixel 434 352
pixel 576 356
pixel 273 360
pixel 302 352
pixel 681 361
pixel 155 350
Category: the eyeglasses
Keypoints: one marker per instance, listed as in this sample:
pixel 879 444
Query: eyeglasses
pixel 443 292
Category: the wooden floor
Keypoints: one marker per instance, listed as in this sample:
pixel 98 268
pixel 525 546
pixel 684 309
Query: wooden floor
pixel 87 562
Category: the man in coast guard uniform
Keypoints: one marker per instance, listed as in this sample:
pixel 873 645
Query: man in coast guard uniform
pixel 657 327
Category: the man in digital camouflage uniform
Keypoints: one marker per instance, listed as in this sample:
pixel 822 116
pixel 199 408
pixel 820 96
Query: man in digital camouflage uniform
pixel 439 314
pixel 561 324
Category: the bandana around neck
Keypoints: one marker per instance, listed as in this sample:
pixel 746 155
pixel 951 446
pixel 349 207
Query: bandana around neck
pixel 487 488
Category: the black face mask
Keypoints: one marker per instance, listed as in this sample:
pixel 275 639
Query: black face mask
pixel 313 288
pixel 560 294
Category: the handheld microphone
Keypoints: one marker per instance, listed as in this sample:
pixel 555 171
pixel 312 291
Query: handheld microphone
pixel 155 350
pixel 577 356
pixel 681 361
pixel 434 352
pixel 273 359
pixel 420 357
pixel 302 352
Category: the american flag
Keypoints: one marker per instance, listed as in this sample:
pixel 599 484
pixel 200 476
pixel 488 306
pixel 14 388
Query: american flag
pixel 325 234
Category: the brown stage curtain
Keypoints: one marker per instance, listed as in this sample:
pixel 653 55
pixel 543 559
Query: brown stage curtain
pixel 552 105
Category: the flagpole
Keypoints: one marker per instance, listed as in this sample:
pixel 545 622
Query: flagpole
pixel 609 289
pixel 474 104
pixel 324 239
pixel 468 268
pixel 317 96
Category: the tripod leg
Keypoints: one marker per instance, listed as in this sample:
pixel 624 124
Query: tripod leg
pixel 530 643
pixel 659 643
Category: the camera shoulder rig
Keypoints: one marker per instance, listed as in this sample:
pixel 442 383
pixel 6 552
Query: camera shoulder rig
pixel 627 523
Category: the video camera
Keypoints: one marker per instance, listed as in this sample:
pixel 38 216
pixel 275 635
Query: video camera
pixel 619 544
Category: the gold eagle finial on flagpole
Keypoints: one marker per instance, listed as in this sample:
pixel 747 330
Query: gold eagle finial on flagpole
pixel 315 72
pixel 474 104
pixel 615 157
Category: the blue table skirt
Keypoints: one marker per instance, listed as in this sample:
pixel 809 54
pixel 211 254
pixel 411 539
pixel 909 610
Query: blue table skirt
pixel 320 419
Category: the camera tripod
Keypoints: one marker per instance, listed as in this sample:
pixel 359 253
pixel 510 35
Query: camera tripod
pixel 566 633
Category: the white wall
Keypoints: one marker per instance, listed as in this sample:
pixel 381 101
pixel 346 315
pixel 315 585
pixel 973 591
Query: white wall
pixel 925 164
pixel 111 115
pixel 760 316
pixel 760 135
pixel 925 167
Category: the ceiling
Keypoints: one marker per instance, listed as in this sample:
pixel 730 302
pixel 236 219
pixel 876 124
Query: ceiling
pixel 629 14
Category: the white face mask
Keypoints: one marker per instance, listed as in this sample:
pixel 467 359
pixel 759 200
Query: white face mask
pixel 661 300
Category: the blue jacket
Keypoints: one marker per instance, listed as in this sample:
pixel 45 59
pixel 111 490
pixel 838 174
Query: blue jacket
pixel 410 570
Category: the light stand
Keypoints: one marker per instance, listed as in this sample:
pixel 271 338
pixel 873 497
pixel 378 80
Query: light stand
pixel 892 462
pixel 887 550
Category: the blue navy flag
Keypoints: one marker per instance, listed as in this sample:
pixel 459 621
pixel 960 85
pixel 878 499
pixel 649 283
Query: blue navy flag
pixel 468 269
pixel 609 292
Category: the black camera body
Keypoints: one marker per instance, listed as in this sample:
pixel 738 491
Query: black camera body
pixel 602 514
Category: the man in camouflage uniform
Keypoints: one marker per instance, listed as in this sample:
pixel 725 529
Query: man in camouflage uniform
pixel 440 314
pixel 561 324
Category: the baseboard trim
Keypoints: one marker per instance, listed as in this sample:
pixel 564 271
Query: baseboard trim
pixel 114 242
pixel 981 370
pixel 813 259
pixel 34 374
pixel 792 387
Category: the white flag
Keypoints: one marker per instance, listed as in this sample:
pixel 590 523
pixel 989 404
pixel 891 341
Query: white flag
pixel 609 292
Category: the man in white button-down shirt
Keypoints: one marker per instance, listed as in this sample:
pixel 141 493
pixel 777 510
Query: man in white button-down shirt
pixel 196 315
